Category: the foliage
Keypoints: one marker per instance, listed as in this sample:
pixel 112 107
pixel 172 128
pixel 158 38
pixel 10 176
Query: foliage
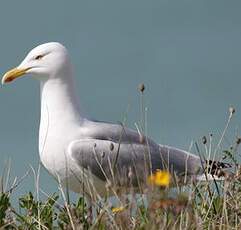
pixel 191 207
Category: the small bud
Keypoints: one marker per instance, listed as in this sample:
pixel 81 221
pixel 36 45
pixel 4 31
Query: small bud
pixel 231 110
pixel 204 140
pixel 141 87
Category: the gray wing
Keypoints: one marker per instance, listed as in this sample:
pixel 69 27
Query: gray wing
pixel 117 153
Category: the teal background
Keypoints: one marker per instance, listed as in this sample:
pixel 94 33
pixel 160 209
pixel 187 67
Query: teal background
pixel 188 54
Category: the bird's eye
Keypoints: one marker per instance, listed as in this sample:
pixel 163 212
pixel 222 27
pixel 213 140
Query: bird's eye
pixel 39 57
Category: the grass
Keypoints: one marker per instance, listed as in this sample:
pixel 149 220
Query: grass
pixel 189 207
pixel 197 205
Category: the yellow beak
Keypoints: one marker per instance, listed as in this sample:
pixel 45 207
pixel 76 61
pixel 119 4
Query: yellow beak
pixel 13 74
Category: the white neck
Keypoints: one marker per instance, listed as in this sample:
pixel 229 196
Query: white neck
pixel 59 107
pixel 59 98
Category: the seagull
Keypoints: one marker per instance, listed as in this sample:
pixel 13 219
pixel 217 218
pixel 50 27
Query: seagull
pixel 85 154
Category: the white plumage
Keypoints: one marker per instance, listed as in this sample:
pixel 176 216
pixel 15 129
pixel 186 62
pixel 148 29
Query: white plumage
pixel 75 149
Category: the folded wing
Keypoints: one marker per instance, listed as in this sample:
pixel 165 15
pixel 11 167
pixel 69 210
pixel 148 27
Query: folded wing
pixel 113 152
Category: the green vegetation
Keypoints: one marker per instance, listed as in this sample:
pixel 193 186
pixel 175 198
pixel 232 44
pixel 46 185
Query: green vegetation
pixel 197 206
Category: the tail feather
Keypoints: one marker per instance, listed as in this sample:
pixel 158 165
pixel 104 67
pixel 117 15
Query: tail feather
pixel 185 163
pixel 214 170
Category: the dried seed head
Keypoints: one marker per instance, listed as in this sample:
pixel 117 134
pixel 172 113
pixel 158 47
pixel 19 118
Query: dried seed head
pixel 141 87
pixel 204 140
pixel 231 110
pixel 238 141
pixel 103 154
pixel 111 146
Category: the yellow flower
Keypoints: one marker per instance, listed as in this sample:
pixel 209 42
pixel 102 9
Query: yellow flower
pixel 160 178
pixel 118 209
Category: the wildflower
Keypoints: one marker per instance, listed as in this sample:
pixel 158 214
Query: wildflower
pixel 118 209
pixel 160 178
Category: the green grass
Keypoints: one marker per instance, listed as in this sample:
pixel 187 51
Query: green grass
pixel 189 207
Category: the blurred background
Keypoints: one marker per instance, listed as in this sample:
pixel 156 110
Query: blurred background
pixel 187 53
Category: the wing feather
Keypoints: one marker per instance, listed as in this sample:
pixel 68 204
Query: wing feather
pixel 121 155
